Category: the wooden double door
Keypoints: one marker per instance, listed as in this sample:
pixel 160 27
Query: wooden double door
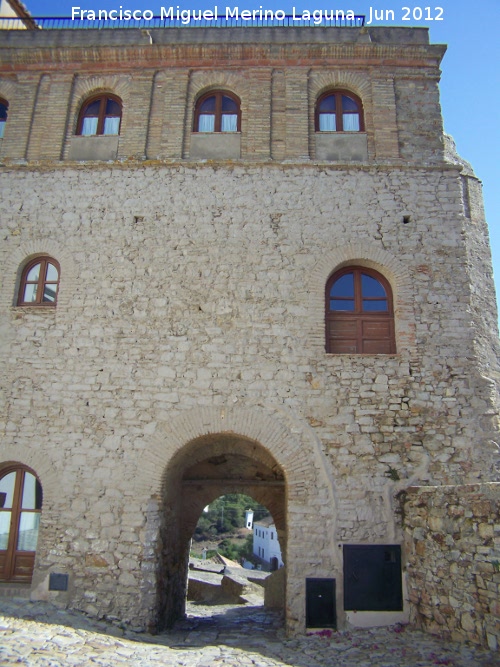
pixel 20 510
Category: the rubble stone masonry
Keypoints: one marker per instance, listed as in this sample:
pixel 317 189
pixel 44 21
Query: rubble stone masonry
pixel 453 547
pixel 190 321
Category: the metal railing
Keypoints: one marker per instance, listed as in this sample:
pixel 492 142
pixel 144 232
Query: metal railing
pixel 328 19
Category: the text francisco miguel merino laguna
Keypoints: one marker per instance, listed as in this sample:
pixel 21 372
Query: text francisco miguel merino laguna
pixel 186 16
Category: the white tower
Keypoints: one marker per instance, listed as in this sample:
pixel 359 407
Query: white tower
pixel 249 519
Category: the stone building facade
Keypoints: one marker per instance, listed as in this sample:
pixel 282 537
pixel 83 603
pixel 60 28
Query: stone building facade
pixel 180 351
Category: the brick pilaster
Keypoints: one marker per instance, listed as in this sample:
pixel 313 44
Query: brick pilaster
pixel 384 118
pixel 297 138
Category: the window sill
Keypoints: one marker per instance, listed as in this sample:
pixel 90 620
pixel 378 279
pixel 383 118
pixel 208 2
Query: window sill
pixel 357 355
pixel 24 307
pixel 352 133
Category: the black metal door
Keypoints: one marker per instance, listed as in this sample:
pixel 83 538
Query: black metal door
pixel 372 577
pixel 320 603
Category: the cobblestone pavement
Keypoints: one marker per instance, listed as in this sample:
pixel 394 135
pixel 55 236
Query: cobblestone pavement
pixel 39 634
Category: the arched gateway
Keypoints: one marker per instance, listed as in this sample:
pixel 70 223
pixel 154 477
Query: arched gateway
pixel 269 455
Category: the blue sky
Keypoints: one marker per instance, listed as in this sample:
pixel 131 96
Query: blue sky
pixel 470 90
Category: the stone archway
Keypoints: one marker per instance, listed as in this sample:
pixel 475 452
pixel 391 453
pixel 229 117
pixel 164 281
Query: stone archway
pixel 206 468
pixel 209 451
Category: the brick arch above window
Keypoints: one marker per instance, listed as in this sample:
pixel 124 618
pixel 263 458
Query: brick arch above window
pixel 364 254
pixel 9 90
pixel 202 82
pixel 358 83
pixel 39 284
pixel 359 312
pixel 86 86
pixel 94 86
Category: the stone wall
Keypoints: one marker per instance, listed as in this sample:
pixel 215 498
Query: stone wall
pixel 275 586
pixel 197 287
pixel 452 541
pixel 189 330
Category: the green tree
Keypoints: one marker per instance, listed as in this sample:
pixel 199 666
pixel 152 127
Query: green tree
pixel 237 551
pixel 226 515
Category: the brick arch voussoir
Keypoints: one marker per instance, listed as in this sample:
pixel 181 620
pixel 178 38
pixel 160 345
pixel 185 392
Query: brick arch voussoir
pixel 353 81
pixel 367 255
pixel 85 88
pixel 207 81
pixel 8 91
pixel 29 250
pixel 297 455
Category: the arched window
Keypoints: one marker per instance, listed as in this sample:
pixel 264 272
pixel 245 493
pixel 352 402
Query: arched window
pixel 100 115
pixel 39 283
pixel 4 108
pixel 359 313
pixel 339 111
pixel 20 509
pixel 217 112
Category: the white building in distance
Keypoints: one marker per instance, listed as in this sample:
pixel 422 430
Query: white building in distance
pixel 265 543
